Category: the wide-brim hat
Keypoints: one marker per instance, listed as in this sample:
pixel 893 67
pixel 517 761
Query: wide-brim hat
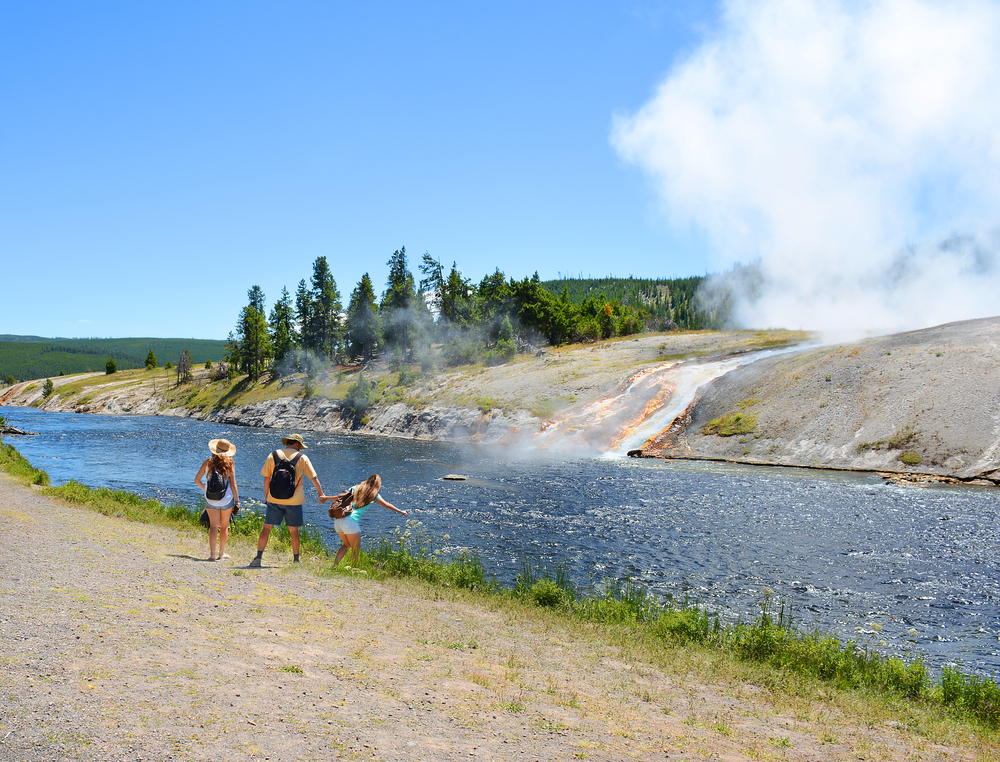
pixel 293 438
pixel 222 447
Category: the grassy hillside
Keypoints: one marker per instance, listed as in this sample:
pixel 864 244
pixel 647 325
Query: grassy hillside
pixel 27 357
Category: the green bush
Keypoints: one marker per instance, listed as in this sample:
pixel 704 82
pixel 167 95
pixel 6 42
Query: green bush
pixel 407 375
pixel 462 351
pixel 48 388
pixel 547 593
pixel 110 366
pixel 361 396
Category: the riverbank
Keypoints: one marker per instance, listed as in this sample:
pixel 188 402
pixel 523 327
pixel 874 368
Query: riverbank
pixel 919 405
pixel 466 403
pixel 138 648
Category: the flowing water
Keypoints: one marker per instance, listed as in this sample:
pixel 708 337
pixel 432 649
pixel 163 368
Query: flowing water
pixel 914 568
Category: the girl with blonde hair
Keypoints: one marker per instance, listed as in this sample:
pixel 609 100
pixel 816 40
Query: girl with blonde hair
pixel 219 508
pixel 349 528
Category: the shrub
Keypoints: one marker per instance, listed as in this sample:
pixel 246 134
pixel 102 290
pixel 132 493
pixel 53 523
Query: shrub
pixel 110 367
pixel 910 458
pixel 462 351
pixel 547 593
pixel 48 388
pixel 151 361
pixel 407 375
pixel 361 395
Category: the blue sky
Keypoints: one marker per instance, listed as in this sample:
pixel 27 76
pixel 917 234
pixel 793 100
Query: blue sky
pixel 158 159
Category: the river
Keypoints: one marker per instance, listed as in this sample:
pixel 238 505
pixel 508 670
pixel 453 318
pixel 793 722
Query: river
pixel 910 571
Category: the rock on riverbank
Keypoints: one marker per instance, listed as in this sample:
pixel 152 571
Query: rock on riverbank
pixel 399 420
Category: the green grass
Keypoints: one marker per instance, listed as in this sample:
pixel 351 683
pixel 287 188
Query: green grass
pixel 632 615
pixel 735 423
pixel 731 425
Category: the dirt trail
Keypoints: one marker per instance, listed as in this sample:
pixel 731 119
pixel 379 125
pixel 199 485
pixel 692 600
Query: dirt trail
pixel 120 643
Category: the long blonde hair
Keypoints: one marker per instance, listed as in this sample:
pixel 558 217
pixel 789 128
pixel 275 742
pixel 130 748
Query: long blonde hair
pixel 223 464
pixel 366 492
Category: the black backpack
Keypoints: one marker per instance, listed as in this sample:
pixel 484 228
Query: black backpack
pixel 217 485
pixel 282 484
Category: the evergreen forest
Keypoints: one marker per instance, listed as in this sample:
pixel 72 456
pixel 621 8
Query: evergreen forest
pixel 23 358
pixel 435 314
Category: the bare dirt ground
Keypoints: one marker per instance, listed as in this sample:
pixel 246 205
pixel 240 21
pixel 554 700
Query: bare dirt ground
pixel 119 642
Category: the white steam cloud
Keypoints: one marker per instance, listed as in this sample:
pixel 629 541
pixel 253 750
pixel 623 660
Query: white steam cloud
pixel 852 146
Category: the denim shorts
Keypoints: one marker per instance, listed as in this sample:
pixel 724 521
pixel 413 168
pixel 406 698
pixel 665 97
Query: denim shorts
pixel 290 514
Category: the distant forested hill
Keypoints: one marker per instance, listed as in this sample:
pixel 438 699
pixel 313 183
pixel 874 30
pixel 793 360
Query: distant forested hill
pixel 668 299
pixel 28 357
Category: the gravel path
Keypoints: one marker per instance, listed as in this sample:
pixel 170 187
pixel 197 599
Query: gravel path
pixel 119 642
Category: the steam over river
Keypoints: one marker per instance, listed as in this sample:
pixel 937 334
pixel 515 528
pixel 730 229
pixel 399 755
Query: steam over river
pixel 915 567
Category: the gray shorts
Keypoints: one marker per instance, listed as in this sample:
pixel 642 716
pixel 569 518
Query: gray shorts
pixel 290 514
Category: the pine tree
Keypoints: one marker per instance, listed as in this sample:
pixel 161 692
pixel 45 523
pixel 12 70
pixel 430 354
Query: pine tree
pixel 303 316
pixel 364 325
pixel 432 284
pixel 325 311
pixel 397 303
pixel 252 338
pixel 282 325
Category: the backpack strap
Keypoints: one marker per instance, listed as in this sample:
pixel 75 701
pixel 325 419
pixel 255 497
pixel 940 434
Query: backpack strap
pixel 278 458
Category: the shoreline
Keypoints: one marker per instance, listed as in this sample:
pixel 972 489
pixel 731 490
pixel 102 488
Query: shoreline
pixel 910 405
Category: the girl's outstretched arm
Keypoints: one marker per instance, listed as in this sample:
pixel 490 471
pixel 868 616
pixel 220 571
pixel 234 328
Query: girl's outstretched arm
pixel 389 505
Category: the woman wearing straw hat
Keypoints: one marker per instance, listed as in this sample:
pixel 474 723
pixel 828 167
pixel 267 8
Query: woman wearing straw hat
pixel 364 495
pixel 221 494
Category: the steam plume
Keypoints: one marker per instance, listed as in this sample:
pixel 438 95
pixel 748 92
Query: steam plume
pixel 852 146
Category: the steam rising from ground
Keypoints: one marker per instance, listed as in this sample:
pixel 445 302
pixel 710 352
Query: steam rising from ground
pixel 853 147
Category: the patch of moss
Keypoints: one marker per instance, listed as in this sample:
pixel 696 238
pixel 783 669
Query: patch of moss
pixel 731 425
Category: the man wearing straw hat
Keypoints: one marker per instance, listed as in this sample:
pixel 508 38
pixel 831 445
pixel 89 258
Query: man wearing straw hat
pixel 287 509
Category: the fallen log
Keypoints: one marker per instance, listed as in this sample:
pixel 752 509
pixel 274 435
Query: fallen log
pixel 15 430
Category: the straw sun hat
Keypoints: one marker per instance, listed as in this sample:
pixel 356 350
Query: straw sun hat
pixel 293 438
pixel 222 447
